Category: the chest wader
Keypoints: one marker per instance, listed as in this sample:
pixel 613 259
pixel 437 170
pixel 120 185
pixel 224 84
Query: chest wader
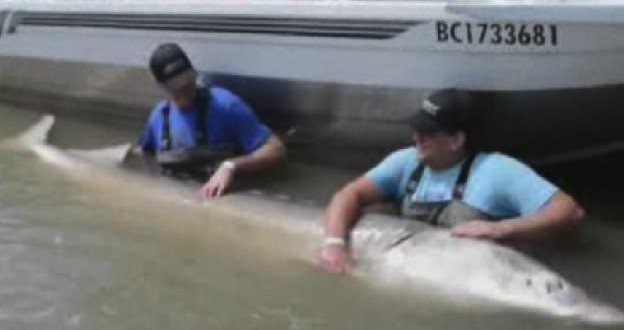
pixel 198 162
pixel 441 213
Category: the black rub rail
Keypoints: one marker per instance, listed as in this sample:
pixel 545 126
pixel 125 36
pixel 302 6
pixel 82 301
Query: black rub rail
pixel 267 25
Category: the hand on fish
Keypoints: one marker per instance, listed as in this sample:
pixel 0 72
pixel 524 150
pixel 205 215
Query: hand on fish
pixel 335 259
pixel 218 183
pixel 479 229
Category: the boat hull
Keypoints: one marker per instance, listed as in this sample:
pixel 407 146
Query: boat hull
pixel 342 79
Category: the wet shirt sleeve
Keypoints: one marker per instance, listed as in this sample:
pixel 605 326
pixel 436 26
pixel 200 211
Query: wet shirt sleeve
pixel 505 187
pixel 389 173
pixel 247 130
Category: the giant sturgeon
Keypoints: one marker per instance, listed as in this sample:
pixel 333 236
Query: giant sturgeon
pixel 386 247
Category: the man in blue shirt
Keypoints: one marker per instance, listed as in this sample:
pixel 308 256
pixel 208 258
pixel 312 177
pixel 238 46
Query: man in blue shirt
pixel 443 182
pixel 198 129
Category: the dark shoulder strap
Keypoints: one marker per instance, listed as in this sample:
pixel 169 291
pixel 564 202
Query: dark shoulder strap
pixel 414 179
pixel 460 184
pixel 203 103
pixel 200 135
pixel 166 128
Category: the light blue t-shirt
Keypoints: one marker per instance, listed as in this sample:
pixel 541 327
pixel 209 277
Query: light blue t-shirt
pixel 497 185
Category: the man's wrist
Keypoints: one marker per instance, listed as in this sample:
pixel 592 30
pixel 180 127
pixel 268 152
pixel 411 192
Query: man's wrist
pixel 504 228
pixel 334 241
pixel 229 165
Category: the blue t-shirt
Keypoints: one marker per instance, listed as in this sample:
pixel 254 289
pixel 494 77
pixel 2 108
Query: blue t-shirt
pixel 497 185
pixel 229 122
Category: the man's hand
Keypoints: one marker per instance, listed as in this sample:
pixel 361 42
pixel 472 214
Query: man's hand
pixel 480 229
pixel 341 215
pixel 218 183
pixel 335 259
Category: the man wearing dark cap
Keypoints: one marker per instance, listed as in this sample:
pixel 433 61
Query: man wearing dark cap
pixel 203 131
pixel 442 181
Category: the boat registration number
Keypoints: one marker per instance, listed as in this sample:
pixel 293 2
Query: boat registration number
pixel 510 34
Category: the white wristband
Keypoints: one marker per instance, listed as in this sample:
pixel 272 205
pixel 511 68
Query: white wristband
pixel 334 241
pixel 229 165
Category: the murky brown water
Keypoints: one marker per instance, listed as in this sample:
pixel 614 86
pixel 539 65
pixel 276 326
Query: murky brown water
pixel 75 257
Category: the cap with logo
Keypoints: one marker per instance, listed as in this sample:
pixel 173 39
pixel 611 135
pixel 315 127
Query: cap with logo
pixel 444 110
pixel 171 67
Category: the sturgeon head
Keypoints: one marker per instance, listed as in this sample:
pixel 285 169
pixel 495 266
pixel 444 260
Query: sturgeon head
pixel 491 271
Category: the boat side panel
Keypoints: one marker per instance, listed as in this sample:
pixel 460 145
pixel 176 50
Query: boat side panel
pixel 351 124
pixel 343 51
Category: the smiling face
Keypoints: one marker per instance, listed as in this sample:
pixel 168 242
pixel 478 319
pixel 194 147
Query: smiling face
pixel 439 149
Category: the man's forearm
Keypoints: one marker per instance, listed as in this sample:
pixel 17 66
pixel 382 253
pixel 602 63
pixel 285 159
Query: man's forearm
pixel 268 155
pixel 346 206
pixel 560 213
pixel 341 214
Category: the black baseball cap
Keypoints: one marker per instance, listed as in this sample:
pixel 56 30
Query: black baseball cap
pixel 443 110
pixel 171 67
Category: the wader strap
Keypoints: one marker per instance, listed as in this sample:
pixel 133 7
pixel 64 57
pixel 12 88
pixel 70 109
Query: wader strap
pixel 200 129
pixel 440 213
pixel 414 180
pixel 166 130
pixel 202 104
pixel 460 184
pixel 458 190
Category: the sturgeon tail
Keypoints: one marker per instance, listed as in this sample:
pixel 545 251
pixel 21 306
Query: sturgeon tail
pixel 35 138
pixel 37 133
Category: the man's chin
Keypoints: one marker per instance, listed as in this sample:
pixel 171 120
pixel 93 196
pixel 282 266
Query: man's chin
pixel 183 105
pixel 422 159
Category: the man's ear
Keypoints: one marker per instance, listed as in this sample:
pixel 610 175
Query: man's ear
pixel 459 141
